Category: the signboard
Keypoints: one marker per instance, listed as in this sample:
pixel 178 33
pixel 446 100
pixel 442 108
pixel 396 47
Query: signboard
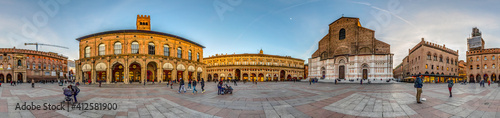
pixel 474 42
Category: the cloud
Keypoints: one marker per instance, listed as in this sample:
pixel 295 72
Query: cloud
pixel 451 28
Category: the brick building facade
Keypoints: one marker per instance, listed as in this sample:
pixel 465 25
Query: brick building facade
pixel 126 56
pixel 481 62
pixel 254 67
pixel 26 65
pixel 351 52
pixel 434 62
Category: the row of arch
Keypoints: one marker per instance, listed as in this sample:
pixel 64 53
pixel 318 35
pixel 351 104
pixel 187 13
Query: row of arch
pixel 486 77
pixel 136 72
pixel 485 58
pixel 7 78
pixel 249 76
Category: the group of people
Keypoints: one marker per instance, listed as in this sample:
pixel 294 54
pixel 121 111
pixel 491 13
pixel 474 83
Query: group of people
pixel 71 91
pixel 419 83
pixel 192 83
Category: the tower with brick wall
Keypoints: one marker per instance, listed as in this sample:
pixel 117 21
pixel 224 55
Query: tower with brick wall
pixel 143 22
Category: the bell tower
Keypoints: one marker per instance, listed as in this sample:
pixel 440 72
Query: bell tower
pixel 143 22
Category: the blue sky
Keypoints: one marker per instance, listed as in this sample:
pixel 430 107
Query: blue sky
pixel 279 27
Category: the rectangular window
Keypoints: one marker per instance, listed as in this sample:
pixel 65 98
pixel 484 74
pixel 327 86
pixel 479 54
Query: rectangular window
pixel 101 49
pixel 166 51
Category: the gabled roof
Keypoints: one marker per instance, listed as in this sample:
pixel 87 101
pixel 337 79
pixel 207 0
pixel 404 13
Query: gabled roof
pixel 344 17
pixel 138 31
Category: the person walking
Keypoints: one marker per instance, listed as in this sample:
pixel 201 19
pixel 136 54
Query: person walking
pixel 450 85
pixel 219 88
pixel 489 82
pixel 335 81
pixel 171 84
pixel 32 83
pixel 189 85
pixel 75 90
pixel 361 82
pixel 181 86
pixel 100 82
pixel 202 85
pixel 481 83
pixel 418 84
pixel 194 87
pixel 235 84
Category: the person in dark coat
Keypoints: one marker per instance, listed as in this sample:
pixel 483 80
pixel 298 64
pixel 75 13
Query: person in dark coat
pixel 450 85
pixel 202 85
pixel 418 84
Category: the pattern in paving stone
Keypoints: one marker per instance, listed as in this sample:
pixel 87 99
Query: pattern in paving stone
pixel 265 99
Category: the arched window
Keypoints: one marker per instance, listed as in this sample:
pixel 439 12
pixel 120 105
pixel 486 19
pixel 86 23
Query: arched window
pixel 27 65
pixel 19 63
pixel 426 66
pixel 135 48
pixel 151 48
pixel 342 34
pixel 166 50
pixel 118 48
pixel 485 66
pixel 447 60
pixel 477 66
pixel 190 56
pixel 485 58
pixel 87 52
pixel 435 57
pixel 440 58
pixel 429 56
pixel 34 65
pixel 470 59
pixel 179 52
pixel 198 57
pixel 493 66
pixel 493 57
pixel 471 67
pixel 102 49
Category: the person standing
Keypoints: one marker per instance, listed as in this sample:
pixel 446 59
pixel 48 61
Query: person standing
pixel 450 85
pixel 361 82
pixel 32 83
pixel 202 85
pixel 181 86
pixel 100 82
pixel 489 82
pixel 335 81
pixel 189 85
pixel 235 84
pixel 75 90
pixel 194 87
pixel 418 84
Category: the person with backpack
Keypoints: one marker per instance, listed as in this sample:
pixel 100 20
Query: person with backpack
pixel 75 90
pixel 450 85
pixel 418 84
pixel 194 86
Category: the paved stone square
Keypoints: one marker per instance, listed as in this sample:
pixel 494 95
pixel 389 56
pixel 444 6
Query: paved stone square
pixel 265 99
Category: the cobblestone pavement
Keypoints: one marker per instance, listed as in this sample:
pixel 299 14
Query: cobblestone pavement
pixel 266 99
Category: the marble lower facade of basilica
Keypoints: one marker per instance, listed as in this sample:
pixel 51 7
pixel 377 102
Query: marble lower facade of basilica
pixel 352 67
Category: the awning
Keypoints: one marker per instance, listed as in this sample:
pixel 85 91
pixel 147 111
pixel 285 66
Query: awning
pixel 200 70
pixel 181 67
pixel 168 66
pixel 191 69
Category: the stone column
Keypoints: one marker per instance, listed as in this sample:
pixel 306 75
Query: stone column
pixel 160 72
pixel 143 71
pixel 93 73
pixel 174 74
pixel 109 72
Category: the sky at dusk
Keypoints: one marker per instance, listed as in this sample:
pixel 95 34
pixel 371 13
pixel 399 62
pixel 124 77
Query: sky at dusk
pixel 279 27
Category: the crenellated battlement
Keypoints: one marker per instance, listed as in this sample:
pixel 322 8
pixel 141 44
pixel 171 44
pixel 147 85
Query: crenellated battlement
pixel 437 46
pixel 26 51
pixel 143 16
pixel 484 51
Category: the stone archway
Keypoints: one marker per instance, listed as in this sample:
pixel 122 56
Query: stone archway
pixel 253 77
pixel 118 73
pixel 237 74
pixel 323 72
pixel 493 77
pixel 134 72
pixel 261 77
pixel 478 78
pixel 245 76
pixel 167 72
pixel 9 78
pixel 151 72
pixel 2 79
pixel 282 75
pixel 471 79
pixel 19 76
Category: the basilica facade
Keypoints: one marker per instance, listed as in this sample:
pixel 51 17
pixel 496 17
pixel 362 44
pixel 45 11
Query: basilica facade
pixel 350 52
